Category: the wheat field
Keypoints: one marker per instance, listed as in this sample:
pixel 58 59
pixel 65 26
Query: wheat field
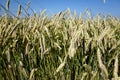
pixel 61 47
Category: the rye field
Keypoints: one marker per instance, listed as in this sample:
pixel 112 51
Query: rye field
pixel 61 47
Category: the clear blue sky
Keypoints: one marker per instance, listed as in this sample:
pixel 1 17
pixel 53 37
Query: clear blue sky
pixel 54 6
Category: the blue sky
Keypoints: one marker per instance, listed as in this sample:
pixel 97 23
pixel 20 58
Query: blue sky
pixel 54 6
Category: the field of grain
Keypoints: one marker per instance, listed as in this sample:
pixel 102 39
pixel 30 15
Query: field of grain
pixel 61 47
